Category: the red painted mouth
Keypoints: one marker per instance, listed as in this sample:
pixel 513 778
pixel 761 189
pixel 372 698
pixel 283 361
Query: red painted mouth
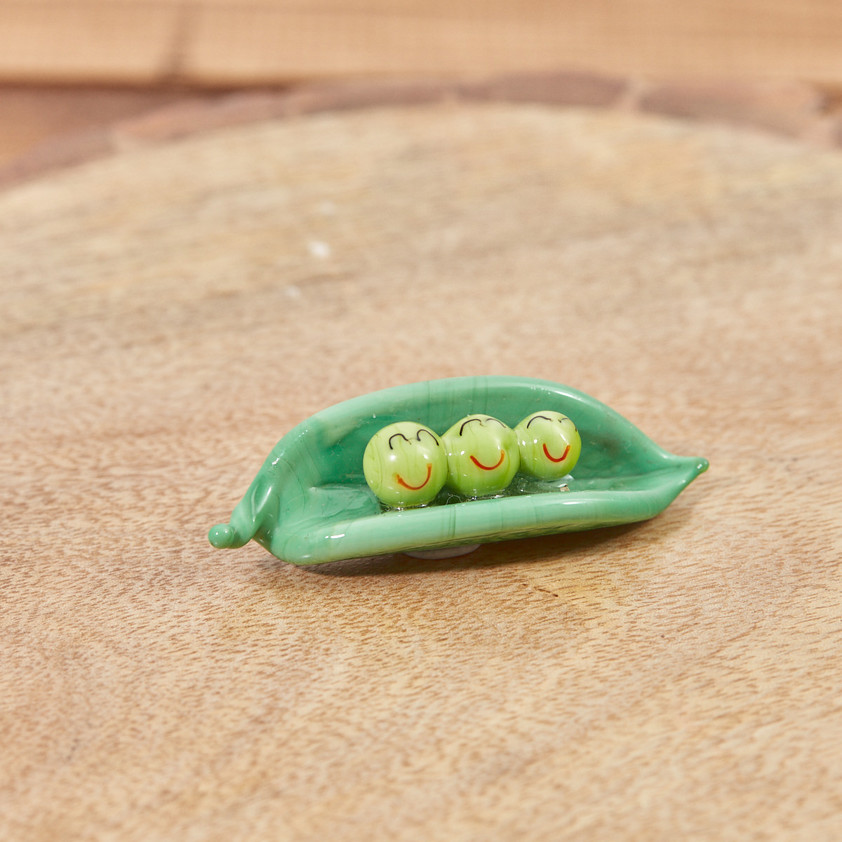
pixel 488 467
pixel 560 458
pixel 405 484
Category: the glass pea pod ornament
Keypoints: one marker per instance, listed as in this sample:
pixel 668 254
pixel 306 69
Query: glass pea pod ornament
pixel 310 502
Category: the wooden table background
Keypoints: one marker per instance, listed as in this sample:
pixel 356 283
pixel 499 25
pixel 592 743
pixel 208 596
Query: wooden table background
pixel 77 65
pixel 236 42
pixel 188 269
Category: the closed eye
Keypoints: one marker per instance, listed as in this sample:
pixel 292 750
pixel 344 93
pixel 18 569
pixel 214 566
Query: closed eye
pixel 418 436
pixel 535 418
pixel 497 420
pixel 394 436
pixel 465 424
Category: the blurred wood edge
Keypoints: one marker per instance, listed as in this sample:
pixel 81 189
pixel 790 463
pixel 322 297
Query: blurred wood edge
pixel 794 109
pixel 259 42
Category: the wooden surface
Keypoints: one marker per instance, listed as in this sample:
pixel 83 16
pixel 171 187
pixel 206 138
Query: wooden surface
pixel 38 117
pixel 49 128
pixel 235 42
pixel 172 309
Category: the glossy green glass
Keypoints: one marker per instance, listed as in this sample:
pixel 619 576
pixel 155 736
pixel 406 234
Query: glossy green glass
pixel 549 444
pixel 310 503
pixel 405 465
pixel 482 456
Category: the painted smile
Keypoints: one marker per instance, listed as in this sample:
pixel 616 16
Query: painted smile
pixel 405 484
pixel 560 458
pixel 488 467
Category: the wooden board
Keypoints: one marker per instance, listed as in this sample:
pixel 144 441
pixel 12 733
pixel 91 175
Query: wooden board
pixel 171 310
pixel 236 42
pixel 32 117
pixel 43 128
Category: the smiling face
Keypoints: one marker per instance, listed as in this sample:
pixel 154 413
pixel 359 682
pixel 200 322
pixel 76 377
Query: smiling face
pixel 482 456
pixel 405 465
pixel 549 445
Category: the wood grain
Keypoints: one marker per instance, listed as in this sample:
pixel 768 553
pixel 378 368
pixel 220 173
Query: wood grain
pixel 171 311
pixel 246 42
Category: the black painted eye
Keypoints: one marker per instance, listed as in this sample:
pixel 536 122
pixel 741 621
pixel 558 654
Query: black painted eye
pixel 394 436
pixel 435 440
pixel 535 418
pixel 465 424
pixel 497 420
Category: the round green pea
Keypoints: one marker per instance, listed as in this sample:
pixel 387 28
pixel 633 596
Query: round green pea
pixel 482 456
pixel 405 465
pixel 549 445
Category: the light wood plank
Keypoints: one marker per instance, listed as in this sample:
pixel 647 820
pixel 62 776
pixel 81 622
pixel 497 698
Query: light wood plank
pixel 239 42
pixel 87 41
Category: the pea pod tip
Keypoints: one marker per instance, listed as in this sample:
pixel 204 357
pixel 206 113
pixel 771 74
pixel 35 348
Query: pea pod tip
pixel 222 536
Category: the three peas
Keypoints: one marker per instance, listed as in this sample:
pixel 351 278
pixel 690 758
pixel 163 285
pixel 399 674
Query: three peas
pixel 407 464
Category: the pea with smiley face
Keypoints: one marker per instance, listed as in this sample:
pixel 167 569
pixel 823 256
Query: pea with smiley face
pixel 405 465
pixel 482 456
pixel 549 445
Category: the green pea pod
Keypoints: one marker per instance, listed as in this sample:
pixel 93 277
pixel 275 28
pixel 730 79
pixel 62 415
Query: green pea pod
pixel 310 504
